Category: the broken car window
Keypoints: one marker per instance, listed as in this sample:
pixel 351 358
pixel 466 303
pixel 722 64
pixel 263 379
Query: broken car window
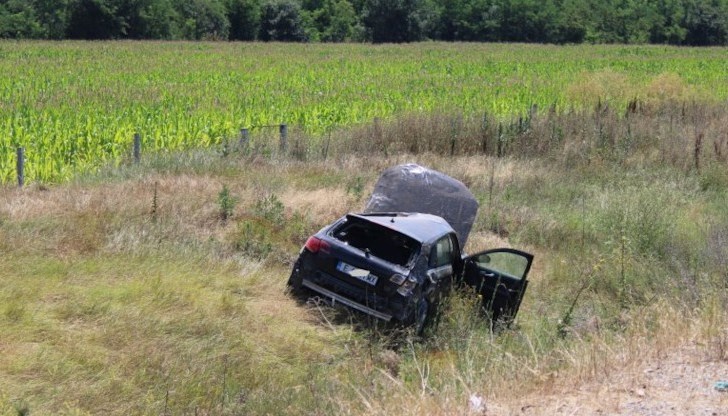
pixel 378 241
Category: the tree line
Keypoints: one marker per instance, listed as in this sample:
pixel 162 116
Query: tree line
pixel 678 22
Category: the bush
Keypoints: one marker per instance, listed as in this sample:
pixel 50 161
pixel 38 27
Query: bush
pixel 226 202
pixel 271 209
pixel 253 240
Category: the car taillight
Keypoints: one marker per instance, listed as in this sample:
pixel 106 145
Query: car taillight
pixel 314 244
pixel 406 285
pixel 397 279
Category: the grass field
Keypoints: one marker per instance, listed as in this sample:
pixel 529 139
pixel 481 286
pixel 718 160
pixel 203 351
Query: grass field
pixel 158 288
pixel 141 290
pixel 76 106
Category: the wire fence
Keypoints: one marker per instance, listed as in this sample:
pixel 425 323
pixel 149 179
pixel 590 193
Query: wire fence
pixel 243 143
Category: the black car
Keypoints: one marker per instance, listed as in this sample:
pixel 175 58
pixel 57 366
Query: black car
pixel 396 265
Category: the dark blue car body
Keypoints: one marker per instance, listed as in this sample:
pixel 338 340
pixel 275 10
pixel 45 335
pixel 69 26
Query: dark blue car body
pixel 396 260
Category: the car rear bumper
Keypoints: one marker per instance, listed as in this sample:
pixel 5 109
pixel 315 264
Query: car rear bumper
pixel 348 302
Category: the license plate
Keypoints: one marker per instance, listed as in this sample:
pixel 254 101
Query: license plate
pixel 360 274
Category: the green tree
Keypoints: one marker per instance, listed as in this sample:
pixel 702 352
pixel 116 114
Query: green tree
pixel 622 21
pixel 18 20
pixel 281 21
pixel 525 20
pixel 457 20
pixel 393 21
pixel 691 22
pixel 485 21
pixel 53 16
pixel 706 22
pixel 148 19
pixel 667 27
pixel 329 20
pixel 635 20
pixel 95 19
pixel 569 24
pixel 203 19
pixel 244 17
pixel 342 25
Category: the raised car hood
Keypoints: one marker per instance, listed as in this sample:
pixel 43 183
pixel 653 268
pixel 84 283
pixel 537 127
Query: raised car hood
pixel 413 188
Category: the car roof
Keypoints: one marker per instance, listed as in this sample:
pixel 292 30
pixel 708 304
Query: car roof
pixel 421 227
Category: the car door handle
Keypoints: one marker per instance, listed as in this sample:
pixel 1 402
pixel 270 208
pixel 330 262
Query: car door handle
pixel 486 274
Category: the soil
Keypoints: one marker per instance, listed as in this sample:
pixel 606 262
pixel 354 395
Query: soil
pixel 681 382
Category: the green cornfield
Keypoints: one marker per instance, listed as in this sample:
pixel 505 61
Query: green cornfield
pixel 75 106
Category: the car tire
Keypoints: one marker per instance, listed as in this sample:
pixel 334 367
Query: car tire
pixel 421 317
pixel 295 280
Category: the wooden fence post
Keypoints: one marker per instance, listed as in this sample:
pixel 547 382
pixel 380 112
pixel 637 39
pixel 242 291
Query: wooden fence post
pixel 21 166
pixel 244 139
pixel 137 148
pixel 499 143
pixel 325 150
pixel 484 144
pixel 284 138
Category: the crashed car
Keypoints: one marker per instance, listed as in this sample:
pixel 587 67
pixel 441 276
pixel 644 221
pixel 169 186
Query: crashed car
pixel 397 259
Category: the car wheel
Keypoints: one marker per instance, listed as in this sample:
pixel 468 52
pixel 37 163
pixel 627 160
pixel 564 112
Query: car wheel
pixel 421 317
pixel 295 281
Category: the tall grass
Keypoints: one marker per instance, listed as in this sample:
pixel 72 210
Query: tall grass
pixel 126 293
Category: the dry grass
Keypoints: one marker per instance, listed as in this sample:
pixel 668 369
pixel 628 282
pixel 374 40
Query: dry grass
pixel 321 205
pixel 605 85
pixel 112 304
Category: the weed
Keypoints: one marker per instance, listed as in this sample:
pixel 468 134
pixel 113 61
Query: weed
pixel 14 311
pixel 21 407
pixel 565 323
pixel 226 203
pixel 714 177
pixel 155 202
pixel 253 240
pixel 697 150
pixel 271 209
pixel 298 227
pixel 355 187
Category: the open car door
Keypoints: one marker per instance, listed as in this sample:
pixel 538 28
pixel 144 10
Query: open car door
pixel 499 276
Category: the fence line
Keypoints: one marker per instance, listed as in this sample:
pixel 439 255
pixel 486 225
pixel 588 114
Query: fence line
pixel 287 144
pixel 243 142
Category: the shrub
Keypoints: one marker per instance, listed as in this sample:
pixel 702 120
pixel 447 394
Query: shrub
pixel 271 209
pixel 253 240
pixel 226 202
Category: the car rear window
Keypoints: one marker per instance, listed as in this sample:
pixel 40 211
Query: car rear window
pixel 382 242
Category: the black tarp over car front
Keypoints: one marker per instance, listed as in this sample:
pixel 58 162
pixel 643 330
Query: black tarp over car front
pixel 414 188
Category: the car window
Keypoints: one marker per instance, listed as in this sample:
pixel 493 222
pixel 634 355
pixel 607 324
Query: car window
pixel 506 263
pixel 441 253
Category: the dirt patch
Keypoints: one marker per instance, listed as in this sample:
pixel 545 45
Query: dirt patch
pixel 682 382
